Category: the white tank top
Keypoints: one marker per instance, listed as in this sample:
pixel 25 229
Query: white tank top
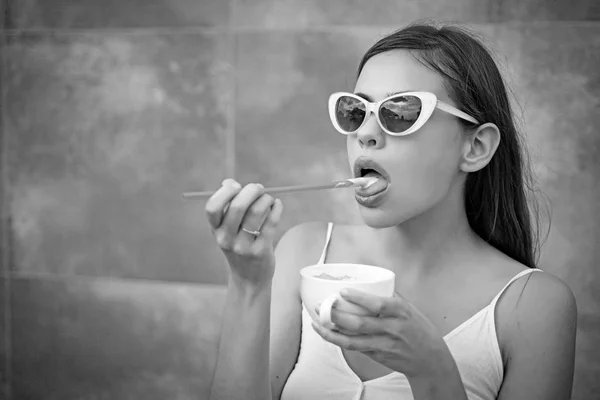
pixel 321 371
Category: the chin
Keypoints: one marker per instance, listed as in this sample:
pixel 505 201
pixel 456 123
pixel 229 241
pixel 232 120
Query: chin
pixel 378 218
pixel 389 215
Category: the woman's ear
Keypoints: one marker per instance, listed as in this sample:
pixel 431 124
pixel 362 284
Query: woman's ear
pixel 479 147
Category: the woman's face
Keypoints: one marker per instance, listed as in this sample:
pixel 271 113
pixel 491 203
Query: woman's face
pixel 423 167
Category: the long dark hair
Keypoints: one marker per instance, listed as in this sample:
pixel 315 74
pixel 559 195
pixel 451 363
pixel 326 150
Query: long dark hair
pixel 496 201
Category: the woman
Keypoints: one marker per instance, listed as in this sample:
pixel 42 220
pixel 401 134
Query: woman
pixel 472 317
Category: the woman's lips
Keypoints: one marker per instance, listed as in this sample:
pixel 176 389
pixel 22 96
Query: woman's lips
pixel 373 195
pixel 373 200
pixel 363 163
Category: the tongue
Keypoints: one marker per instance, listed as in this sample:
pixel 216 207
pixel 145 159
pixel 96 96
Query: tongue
pixel 376 187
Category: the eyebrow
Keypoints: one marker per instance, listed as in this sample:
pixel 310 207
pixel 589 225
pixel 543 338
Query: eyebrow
pixel 390 94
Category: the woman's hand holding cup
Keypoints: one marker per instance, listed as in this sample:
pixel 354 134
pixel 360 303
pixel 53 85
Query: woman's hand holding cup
pixel 244 222
pixel 336 301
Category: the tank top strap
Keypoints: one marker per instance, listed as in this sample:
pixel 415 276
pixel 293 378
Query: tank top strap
pixel 514 278
pixel 327 240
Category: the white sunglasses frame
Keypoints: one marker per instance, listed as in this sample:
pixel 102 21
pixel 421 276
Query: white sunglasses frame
pixel 429 102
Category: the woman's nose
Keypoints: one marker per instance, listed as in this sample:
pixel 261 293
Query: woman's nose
pixel 370 134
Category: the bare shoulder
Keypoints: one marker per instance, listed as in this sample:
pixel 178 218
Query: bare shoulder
pixel 538 307
pixel 351 243
pixel 542 295
pixel 304 232
pixel 549 297
pixel 551 289
pixel 302 240
pixel 298 247
pixel 539 330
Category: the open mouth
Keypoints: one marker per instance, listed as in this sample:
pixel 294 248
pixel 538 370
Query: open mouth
pixel 368 172
pixel 367 167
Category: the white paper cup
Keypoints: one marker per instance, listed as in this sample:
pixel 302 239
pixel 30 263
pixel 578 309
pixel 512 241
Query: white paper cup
pixel 315 290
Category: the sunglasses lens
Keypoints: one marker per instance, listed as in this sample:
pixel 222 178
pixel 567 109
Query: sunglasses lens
pixel 349 113
pixel 398 114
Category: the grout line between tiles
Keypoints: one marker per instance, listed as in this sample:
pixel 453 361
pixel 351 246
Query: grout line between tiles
pixel 229 27
pixel 5 259
pixel 231 143
pixel 231 14
pixel 51 276
pixel 232 41
pixel 7 337
pixel 3 14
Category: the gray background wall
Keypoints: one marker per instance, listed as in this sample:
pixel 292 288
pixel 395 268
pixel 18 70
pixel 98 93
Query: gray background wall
pixel 110 285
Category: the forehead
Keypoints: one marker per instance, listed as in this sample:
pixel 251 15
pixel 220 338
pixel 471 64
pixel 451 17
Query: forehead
pixel 397 71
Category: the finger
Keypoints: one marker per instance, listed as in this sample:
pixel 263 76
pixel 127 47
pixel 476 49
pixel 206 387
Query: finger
pixel 356 324
pixel 216 205
pixel 238 207
pixel 231 182
pixel 255 217
pixel 356 343
pixel 269 228
pixel 383 306
pixel 340 325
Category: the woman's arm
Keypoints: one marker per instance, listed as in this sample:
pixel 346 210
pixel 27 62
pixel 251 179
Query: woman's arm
pixel 298 248
pixel 540 332
pixel 260 336
pixel 242 369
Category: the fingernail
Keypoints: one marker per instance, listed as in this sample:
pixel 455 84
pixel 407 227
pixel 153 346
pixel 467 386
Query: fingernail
pixel 231 182
pixel 260 186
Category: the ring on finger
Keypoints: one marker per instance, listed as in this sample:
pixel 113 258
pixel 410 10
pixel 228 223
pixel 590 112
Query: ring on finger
pixel 253 233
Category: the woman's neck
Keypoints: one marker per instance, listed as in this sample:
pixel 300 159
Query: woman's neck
pixel 429 242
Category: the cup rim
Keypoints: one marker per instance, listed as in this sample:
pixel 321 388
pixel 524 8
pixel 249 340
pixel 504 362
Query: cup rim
pixel 304 272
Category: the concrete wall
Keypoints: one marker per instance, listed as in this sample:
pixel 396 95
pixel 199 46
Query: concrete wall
pixel 110 285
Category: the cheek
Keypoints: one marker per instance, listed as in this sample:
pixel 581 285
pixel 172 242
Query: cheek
pixel 425 172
